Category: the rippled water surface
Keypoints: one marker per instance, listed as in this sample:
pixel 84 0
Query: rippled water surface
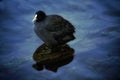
pixel 97 43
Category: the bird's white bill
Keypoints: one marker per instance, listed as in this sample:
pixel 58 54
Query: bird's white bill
pixel 34 19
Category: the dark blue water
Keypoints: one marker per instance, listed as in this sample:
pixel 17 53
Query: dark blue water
pixel 97 43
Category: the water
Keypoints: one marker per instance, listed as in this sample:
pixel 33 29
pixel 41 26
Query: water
pixel 96 56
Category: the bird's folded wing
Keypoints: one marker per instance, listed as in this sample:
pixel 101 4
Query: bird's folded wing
pixel 53 28
pixel 59 24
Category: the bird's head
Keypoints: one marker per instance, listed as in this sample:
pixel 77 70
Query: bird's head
pixel 39 16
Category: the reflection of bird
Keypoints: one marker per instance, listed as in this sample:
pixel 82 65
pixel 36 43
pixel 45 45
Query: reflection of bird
pixel 54 60
pixel 53 29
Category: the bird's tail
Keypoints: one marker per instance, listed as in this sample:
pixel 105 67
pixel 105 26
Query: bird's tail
pixel 68 38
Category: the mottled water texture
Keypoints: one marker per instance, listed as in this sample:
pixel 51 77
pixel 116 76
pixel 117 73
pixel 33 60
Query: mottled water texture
pixel 97 43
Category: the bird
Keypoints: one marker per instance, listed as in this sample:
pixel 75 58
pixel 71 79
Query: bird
pixel 53 30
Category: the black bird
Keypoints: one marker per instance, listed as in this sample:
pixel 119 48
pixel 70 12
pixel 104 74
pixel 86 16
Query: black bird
pixel 54 30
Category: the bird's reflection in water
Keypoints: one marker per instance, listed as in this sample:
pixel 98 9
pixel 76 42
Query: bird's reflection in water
pixel 52 61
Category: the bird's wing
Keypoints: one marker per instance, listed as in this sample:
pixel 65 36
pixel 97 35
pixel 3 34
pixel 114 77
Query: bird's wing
pixel 57 23
pixel 54 24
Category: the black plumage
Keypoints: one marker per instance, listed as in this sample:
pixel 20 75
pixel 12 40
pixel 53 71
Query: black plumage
pixel 53 29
